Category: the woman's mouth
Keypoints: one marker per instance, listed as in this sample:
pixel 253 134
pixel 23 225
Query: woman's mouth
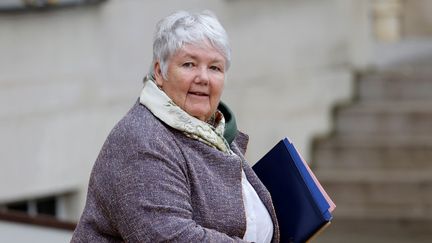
pixel 199 94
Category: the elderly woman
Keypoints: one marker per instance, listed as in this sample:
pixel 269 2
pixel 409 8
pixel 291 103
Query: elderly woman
pixel 173 169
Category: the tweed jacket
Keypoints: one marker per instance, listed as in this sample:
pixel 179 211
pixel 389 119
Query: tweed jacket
pixel 151 183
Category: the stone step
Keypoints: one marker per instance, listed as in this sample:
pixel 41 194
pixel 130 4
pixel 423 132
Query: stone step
pixel 385 118
pixel 397 194
pixel 376 231
pixel 405 84
pixel 373 153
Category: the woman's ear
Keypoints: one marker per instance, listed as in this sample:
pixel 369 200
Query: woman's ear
pixel 158 74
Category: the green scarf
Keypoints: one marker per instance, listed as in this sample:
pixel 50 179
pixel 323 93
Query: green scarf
pixel 230 122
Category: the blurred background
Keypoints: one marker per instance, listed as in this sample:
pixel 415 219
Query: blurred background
pixel 349 81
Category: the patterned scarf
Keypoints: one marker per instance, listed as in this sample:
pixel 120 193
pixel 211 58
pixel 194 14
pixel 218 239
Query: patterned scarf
pixel 165 109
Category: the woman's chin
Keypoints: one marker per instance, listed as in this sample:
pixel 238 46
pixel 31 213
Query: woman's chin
pixel 201 114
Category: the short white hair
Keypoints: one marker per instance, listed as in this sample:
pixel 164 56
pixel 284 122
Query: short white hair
pixel 182 27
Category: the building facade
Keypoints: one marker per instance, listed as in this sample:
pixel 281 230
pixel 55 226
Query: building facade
pixel 67 75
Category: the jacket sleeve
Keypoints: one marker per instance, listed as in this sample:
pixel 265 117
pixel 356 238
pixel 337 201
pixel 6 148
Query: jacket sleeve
pixel 149 200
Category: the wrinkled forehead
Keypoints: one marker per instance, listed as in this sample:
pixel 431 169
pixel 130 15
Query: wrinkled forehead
pixel 200 50
pixel 204 47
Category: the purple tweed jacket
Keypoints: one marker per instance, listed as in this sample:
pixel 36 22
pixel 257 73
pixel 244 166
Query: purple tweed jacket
pixel 151 183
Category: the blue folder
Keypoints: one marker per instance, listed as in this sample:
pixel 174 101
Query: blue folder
pixel 302 206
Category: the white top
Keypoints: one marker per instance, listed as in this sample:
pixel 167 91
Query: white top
pixel 259 225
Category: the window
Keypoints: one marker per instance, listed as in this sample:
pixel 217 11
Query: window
pixel 42 206
pixel 45 211
pixel 18 206
pixel 14 5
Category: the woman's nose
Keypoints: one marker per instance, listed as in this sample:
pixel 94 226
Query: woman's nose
pixel 203 76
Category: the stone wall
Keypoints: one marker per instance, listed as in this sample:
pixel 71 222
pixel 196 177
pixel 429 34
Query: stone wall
pixel 67 76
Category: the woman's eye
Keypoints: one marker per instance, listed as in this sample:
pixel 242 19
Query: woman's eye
pixel 215 68
pixel 188 64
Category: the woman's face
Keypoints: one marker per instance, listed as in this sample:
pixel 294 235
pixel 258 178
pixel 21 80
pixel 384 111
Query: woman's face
pixel 195 79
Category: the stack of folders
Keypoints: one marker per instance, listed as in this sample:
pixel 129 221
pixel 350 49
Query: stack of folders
pixel 302 206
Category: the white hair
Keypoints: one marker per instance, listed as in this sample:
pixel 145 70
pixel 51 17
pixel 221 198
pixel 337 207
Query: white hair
pixel 180 28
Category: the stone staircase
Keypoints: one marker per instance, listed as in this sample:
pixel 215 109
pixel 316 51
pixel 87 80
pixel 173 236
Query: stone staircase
pixel 377 162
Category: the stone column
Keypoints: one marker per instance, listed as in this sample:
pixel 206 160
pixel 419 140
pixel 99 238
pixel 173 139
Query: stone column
pixel 387 20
